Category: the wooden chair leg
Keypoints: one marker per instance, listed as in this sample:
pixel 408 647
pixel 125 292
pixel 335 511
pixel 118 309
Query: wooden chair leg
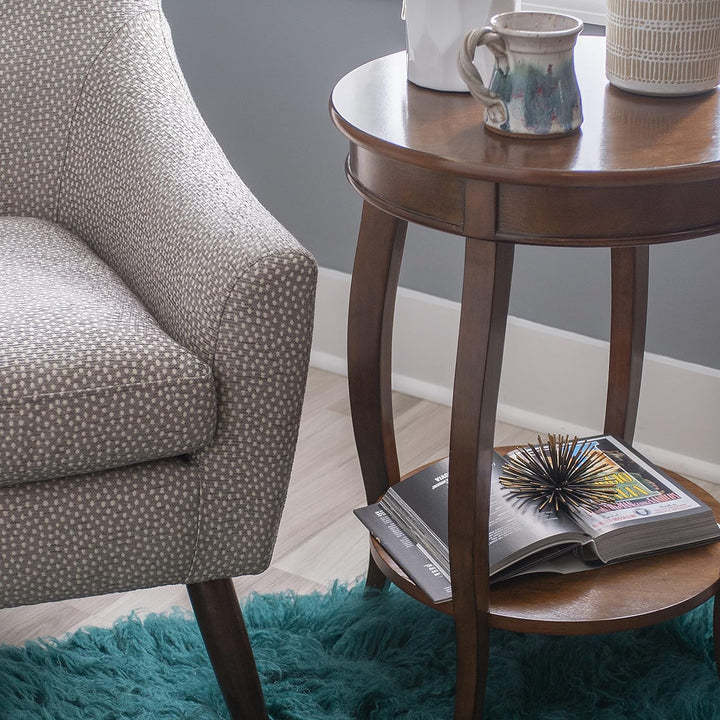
pixel 223 629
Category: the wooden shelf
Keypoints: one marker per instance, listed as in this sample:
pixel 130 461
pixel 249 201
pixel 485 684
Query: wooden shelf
pixel 616 597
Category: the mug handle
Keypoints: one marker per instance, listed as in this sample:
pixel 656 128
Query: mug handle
pixel 496 109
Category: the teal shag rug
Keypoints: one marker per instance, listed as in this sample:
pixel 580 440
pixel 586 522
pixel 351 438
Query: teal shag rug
pixel 345 655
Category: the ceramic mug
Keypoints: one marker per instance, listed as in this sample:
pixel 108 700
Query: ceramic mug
pixel 533 90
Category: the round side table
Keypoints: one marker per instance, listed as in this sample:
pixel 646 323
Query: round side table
pixel 640 171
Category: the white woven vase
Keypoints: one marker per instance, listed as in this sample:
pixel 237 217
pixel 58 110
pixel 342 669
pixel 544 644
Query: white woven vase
pixel 663 47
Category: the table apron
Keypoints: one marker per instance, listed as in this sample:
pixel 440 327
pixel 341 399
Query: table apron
pixel 542 215
pixel 410 192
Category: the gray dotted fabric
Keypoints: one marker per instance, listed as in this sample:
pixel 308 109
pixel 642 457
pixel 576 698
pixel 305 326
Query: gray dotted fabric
pixel 116 530
pixel 145 185
pixel 46 50
pixel 88 380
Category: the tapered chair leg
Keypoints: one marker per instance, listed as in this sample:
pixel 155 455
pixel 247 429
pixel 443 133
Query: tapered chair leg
pixel 223 629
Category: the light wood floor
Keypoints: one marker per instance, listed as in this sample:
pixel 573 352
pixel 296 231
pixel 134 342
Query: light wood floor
pixel 319 541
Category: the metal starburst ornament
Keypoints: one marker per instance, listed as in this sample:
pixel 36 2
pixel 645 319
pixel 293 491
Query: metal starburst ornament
pixel 561 473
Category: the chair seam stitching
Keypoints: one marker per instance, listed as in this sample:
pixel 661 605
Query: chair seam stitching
pixel 105 388
pixel 242 274
pixel 201 479
pixel 71 121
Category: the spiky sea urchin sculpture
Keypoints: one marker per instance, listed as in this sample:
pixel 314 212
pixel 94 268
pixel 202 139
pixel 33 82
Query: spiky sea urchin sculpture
pixel 561 473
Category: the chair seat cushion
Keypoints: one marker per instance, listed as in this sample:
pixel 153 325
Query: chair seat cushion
pixel 88 379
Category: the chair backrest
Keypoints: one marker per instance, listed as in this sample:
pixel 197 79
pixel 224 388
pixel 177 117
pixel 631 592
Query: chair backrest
pixel 47 49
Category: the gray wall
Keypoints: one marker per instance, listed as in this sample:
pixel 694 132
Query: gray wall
pixel 262 72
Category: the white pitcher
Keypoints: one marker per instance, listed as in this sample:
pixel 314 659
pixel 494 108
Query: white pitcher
pixel 435 29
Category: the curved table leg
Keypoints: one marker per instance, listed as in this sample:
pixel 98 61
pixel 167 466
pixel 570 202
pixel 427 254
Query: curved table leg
pixel 485 298
pixel 627 338
pixel 716 630
pixel 370 321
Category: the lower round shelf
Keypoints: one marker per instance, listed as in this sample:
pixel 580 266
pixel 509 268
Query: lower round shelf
pixel 613 598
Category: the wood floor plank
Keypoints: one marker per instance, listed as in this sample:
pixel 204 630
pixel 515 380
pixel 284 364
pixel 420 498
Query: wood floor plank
pixel 338 551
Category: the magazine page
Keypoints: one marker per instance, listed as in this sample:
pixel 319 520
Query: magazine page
pixel 565 563
pixel 642 492
pixel 409 555
pixel 419 504
pixel 516 531
pixel 519 534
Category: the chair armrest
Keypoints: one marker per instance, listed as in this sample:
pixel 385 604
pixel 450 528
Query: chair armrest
pixel 147 187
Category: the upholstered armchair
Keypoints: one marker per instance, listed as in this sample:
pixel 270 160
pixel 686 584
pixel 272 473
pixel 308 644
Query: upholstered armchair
pixel 155 324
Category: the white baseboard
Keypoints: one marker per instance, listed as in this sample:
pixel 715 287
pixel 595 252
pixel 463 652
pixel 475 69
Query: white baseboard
pixel 679 402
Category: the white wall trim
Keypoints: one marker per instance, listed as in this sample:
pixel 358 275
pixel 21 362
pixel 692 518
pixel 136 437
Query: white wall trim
pixel 679 402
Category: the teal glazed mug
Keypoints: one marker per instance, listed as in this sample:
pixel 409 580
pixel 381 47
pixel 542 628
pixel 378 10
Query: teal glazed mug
pixel 533 91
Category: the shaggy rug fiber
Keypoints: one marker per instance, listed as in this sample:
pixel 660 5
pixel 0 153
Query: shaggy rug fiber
pixel 344 655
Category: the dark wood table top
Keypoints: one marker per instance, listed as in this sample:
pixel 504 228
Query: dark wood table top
pixel 625 139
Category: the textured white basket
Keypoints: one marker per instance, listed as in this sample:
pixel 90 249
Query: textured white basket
pixel 663 47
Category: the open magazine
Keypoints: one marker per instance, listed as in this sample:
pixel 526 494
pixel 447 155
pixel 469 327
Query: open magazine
pixel 650 513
